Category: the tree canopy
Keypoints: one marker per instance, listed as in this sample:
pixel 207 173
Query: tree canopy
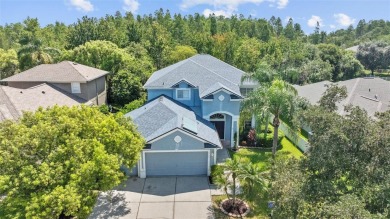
pixel 54 162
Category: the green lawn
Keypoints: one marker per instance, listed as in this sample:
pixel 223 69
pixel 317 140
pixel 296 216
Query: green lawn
pixel 262 157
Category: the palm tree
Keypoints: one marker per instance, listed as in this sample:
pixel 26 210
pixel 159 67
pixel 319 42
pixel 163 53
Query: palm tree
pixel 263 75
pixel 233 170
pixel 33 54
pixel 278 99
pixel 252 175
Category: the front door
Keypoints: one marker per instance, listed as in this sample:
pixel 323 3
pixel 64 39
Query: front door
pixel 220 126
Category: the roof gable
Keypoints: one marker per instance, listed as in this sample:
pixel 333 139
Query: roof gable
pixel 202 71
pixel 163 115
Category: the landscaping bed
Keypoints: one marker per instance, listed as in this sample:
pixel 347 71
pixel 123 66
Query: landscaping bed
pixel 261 157
pixel 239 209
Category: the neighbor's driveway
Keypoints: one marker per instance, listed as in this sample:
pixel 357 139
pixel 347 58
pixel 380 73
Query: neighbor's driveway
pixel 162 197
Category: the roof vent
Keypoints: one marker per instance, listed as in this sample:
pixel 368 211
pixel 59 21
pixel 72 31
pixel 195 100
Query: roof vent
pixel 326 85
pixel 74 63
pixel 21 92
pixel 161 99
pixel 43 92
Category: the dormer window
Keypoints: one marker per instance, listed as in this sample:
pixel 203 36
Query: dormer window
pixel 183 94
pixel 75 88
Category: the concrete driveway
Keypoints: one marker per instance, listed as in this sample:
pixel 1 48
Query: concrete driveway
pixel 162 197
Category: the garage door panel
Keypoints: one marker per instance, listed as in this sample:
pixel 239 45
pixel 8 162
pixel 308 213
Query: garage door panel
pixel 176 163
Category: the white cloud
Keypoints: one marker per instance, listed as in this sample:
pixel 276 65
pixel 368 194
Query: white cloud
pixel 282 3
pixel 207 12
pixel 82 5
pixel 131 5
pixel 343 19
pixel 312 22
pixel 228 6
pixel 332 26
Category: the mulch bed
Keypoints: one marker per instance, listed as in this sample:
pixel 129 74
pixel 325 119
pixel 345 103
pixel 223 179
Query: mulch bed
pixel 239 210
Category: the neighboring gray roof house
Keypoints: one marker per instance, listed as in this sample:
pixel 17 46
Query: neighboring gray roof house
pixel 62 72
pixel 65 83
pixel 14 101
pixel 371 94
pixel 206 72
pixel 164 115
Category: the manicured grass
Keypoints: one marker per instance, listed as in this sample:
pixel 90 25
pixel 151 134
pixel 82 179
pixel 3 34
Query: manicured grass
pixel 262 158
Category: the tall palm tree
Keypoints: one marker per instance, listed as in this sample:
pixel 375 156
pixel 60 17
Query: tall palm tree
pixel 263 75
pixel 277 98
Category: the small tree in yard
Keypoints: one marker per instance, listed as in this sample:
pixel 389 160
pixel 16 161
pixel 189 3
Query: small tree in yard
pixel 234 170
pixel 54 162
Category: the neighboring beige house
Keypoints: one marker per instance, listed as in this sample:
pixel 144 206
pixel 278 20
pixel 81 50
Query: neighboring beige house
pixel 65 83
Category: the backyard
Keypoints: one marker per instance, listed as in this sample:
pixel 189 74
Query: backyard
pixel 262 157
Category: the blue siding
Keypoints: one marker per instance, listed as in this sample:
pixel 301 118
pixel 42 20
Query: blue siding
pixel 153 93
pixel 187 142
pixel 210 107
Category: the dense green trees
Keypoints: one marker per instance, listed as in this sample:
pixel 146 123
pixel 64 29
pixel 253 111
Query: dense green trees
pixel 9 63
pixel 127 72
pixel 54 162
pixel 159 39
pixel 374 55
pixel 346 172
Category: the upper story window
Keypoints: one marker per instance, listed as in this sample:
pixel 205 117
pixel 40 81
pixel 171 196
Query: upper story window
pixel 75 88
pixel 245 91
pixel 183 93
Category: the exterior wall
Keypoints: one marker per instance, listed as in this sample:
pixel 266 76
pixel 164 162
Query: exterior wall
pixel 215 106
pixel 153 93
pixel 23 85
pixel 97 86
pixel 187 142
pixel 67 88
pixel 194 101
pixel 88 90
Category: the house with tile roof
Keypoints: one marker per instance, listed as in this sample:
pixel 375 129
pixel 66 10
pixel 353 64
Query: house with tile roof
pixel 192 111
pixel 65 84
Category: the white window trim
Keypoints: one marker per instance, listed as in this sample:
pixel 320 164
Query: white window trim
pixel 189 93
pixel 73 87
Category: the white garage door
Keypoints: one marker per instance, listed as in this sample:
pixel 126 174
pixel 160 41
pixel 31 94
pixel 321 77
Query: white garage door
pixel 176 163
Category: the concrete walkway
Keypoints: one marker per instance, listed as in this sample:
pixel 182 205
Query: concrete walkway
pixel 165 197
pixel 222 155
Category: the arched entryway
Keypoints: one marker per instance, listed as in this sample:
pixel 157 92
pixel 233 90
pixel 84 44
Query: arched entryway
pixel 219 121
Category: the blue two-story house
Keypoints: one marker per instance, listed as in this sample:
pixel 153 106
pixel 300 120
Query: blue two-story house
pixel 192 111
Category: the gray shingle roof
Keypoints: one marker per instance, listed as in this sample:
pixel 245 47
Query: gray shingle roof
pixel 361 92
pixel 203 71
pixel 163 115
pixel 13 101
pixel 65 71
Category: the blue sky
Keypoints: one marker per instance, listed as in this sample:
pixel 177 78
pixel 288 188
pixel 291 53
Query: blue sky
pixel 332 14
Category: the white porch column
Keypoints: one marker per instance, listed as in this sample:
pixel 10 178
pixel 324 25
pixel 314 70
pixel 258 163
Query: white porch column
pixel 238 130
pixel 142 168
pixel 235 128
pixel 253 121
